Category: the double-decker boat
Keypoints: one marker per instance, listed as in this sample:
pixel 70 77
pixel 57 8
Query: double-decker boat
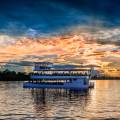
pixel 45 75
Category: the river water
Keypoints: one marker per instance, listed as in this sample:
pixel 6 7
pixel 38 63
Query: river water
pixel 100 103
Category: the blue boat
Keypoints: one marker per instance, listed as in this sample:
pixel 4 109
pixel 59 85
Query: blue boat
pixel 46 76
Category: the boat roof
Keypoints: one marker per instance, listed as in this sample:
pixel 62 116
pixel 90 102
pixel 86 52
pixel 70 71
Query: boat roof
pixel 43 63
pixel 63 70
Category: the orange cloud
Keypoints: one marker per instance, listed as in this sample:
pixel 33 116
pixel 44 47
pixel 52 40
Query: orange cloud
pixel 73 49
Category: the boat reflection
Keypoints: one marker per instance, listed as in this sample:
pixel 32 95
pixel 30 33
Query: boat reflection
pixel 49 103
pixel 42 95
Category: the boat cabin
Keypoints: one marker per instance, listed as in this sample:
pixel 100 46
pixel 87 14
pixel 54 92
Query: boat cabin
pixel 46 76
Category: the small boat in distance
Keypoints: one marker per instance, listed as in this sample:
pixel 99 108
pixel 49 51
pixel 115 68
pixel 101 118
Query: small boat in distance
pixel 45 75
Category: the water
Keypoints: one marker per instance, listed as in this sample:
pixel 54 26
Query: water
pixel 100 103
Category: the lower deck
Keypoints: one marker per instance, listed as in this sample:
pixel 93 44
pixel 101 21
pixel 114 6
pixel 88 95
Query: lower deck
pixel 80 84
pixel 54 86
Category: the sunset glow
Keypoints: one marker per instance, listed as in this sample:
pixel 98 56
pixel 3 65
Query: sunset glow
pixel 66 49
pixel 74 33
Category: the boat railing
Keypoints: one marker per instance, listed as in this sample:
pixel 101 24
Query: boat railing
pixel 61 74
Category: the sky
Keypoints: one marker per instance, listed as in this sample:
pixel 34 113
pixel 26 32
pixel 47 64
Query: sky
pixel 60 31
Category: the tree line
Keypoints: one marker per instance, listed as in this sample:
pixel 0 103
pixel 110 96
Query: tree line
pixel 7 75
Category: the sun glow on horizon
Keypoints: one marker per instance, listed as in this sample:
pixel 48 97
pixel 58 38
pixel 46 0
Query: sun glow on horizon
pixel 64 49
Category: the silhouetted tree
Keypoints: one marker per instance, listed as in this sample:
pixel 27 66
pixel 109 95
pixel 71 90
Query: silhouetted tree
pixel 7 75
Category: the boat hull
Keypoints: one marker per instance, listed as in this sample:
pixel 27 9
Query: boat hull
pixel 64 86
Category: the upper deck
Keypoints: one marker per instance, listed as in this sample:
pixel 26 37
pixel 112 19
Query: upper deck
pixel 42 66
pixel 46 70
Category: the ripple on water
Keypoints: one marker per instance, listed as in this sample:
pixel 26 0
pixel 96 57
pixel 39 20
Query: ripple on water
pixel 101 103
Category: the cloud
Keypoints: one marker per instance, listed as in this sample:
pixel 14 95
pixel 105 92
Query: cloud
pixel 40 18
pixel 34 16
pixel 98 34
pixel 20 63
pixel 66 32
pixel 59 49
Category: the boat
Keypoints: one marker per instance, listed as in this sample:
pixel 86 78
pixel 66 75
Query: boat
pixel 45 75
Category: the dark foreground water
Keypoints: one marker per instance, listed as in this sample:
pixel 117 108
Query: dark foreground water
pixel 100 103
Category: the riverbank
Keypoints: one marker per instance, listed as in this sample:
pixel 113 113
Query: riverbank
pixel 22 76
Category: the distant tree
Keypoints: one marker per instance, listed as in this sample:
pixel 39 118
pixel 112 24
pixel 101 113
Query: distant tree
pixel 7 75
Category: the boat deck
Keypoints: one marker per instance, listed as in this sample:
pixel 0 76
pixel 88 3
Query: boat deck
pixel 53 86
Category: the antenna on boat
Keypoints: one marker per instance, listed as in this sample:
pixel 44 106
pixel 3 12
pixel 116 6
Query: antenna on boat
pixel 91 72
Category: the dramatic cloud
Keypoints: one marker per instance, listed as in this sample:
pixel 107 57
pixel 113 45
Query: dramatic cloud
pixel 29 17
pixel 60 49
pixel 61 31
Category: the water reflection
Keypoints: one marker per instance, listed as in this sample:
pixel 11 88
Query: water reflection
pixel 50 103
pixel 100 103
